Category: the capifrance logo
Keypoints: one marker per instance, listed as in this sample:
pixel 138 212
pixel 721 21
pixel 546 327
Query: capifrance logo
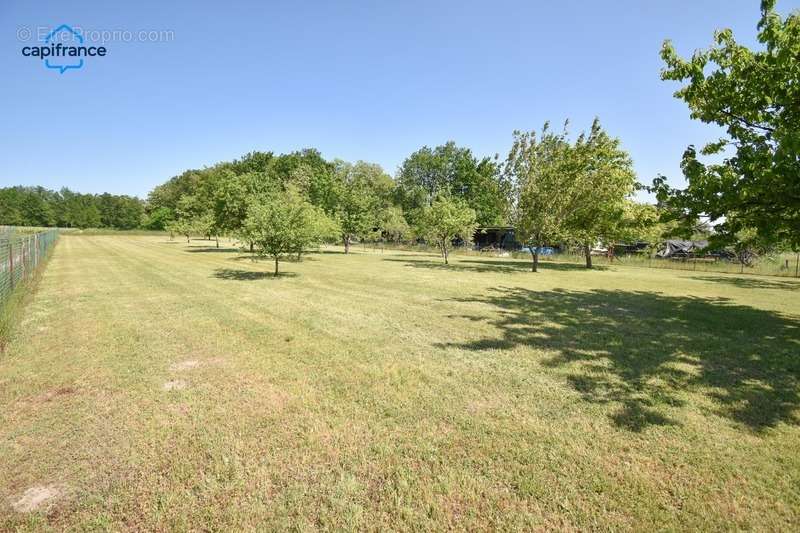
pixel 63 49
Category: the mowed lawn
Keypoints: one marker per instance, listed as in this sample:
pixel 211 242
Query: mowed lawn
pixel 158 385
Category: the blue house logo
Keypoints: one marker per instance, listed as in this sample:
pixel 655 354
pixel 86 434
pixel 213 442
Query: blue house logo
pixel 63 49
pixel 56 35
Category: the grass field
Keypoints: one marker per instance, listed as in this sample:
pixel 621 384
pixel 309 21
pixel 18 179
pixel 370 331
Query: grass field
pixel 158 385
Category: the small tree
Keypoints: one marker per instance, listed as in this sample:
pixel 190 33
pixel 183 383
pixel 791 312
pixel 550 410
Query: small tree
pixel 180 227
pixel 393 224
pixel 544 191
pixel 204 225
pixel 640 223
pixel 284 223
pixel 445 220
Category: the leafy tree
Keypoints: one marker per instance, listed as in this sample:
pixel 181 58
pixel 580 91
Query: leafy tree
pixel 640 223
pixel 307 171
pixel 181 227
pixel 121 212
pixel 393 224
pixel 37 206
pixel 753 95
pixel 10 212
pixel 158 219
pixel 603 176
pixel 449 169
pixel 29 206
pixel 544 190
pixel 284 223
pixel 445 220
pixel 204 225
pixel 254 162
pixel 167 195
pixel 358 190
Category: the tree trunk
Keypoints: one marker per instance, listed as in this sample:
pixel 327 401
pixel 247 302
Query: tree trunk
pixel 587 250
pixel 276 267
pixel 346 240
pixel 217 241
pixel 444 253
pixel 534 258
pixel 251 247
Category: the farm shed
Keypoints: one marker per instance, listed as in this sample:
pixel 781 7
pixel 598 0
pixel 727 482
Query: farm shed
pixel 501 237
pixel 678 248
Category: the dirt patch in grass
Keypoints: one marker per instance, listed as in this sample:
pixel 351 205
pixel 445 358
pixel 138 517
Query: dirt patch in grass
pixel 174 384
pixel 190 364
pixel 184 365
pixel 37 498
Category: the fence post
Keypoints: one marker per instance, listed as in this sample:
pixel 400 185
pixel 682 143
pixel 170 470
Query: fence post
pixel 23 263
pixel 11 262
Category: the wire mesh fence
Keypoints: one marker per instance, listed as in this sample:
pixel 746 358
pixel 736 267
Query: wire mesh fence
pixel 22 251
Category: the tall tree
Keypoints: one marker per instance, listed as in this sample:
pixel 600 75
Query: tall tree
pixel 603 177
pixel 455 171
pixel 754 95
pixel 359 190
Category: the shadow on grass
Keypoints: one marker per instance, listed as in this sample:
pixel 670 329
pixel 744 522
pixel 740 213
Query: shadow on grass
pixel 328 252
pixel 640 351
pixel 248 275
pixel 212 249
pixel 751 283
pixel 490 265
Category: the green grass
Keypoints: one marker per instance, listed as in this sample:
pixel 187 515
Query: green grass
pixel 385 390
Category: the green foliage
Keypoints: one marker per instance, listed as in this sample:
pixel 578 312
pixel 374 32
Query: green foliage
pixel 285 223
pixel 445 220
pixel 753 95
pixel 544 193
pixel 603 177
pixel 181 227
pixel 360 191
pixel 454 171
pixel 567 191
pixel 158 219
pixel 37 206
pixel 392 224
pixel 640 223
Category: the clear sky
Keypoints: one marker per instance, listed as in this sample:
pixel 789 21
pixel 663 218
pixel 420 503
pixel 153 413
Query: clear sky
pixel 372 80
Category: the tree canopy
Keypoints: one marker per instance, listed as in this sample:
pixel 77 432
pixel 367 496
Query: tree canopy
pixel 37 206
pixel 754 96
pixel 452 170
pixel 284 223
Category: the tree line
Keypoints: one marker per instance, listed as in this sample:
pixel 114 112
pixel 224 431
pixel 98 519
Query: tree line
pixel 40 207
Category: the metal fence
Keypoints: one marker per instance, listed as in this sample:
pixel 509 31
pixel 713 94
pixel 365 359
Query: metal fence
pixel 21 253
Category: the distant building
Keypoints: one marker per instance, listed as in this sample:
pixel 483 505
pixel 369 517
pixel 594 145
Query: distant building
pixel 678 248
pixel 498 237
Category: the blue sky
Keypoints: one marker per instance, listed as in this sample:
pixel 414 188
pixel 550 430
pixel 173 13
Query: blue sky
pixel 357 80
